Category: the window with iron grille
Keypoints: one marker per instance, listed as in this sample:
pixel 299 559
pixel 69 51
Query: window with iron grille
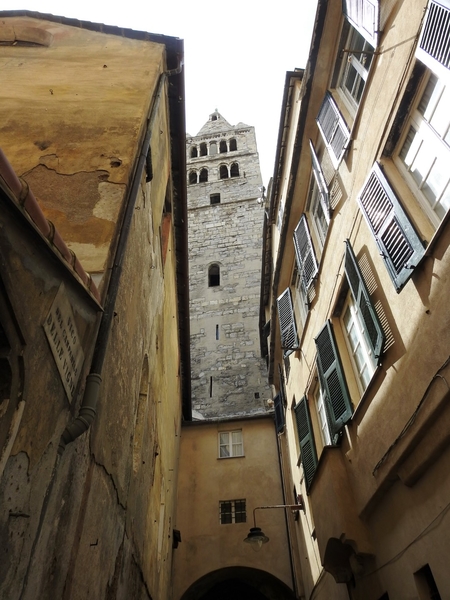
pixel 232 511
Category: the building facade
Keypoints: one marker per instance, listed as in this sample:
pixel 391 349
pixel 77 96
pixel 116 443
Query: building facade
pixel 93 308
pixel 229 462
pixel 356 266
pixel 225 223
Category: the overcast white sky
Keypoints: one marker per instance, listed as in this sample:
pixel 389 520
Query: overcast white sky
pixel 237 52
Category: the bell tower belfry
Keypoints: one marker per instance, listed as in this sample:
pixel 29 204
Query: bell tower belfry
pixel 225 244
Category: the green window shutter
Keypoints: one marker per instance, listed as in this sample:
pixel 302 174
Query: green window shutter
pixel 332 380
pixel 304 253
pixel 364 16
pixel 434 45
pixel 333 128
pixel 399 244
pixel 372 328
pixel 279 413
pixel 320 180
pixel 306 440
pixel 288 330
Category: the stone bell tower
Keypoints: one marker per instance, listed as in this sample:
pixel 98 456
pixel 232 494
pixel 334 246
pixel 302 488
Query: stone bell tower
pixel 225 243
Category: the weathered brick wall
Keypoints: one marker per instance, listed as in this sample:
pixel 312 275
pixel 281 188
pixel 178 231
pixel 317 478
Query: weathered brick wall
pixel 228 374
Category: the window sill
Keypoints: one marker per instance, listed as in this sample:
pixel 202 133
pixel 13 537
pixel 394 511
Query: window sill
pixel 228 457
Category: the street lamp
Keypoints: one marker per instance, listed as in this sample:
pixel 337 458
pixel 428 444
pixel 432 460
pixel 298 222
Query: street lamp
pixel 256 537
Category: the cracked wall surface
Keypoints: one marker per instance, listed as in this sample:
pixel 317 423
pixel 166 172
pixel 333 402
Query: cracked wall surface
pixel 72 114
pixel 97 522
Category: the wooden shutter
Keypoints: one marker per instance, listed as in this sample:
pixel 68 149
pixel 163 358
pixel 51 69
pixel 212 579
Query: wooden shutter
pixel 399 244
pixel 304 253
pixel 434 44
pixel 372 329
pixel 288 330
pixel 332 380
pixel 364 16
pixel 320 180
pixel 306 440
pixel 279 413
pixel 333 129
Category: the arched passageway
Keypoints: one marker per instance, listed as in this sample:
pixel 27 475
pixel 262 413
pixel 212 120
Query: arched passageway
pixel 239 583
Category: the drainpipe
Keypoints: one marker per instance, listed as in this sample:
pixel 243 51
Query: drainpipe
pixel 288 531
pixel 88 408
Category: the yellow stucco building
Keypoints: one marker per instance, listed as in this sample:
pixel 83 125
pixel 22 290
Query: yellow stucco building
pixel 356 293
pixel 93 307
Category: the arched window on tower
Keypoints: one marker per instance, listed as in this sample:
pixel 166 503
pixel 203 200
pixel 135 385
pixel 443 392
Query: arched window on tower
pixel 223 172
pixel 214 276
pixel 203 175
pixel 194 152
pixel 192 177
pixel 233 145
pixel 234 170
pixel 203 149
pixel 213 148
pixel 223 147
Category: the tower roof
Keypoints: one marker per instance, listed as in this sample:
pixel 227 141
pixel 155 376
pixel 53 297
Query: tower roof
pixel 216 123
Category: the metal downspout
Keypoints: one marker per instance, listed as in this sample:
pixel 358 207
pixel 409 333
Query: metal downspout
pixel 291 560
pixel 88 409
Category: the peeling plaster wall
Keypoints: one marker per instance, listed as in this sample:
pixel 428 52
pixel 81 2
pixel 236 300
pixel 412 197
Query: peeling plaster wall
pixel 98 523
pixel 72 114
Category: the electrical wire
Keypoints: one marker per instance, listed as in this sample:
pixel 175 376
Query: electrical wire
pixel 412 418
pixel 434 523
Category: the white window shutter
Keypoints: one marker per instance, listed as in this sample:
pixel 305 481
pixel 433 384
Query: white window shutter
pixel 364 15
pixel 333 128
pixel 320 180
pixel 434 44
pixel 304 253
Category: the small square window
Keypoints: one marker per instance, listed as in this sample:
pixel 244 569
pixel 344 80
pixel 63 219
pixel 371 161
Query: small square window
pixel 232 511
pixel 230 444
pixel 214 199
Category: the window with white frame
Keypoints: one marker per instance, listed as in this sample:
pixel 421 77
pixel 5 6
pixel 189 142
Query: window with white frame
pixel 355 338
pixel 362 329
pixel 231 444
pixel 322 415
pixel 424 149
pixel 232 511
pixel 318 199
pixel 357 58
pixel 301 298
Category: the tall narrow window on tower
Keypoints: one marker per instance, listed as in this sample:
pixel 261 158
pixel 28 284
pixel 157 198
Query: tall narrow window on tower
pixel 223 172
pixel 233 145
pixel 214 276
pixel 234 170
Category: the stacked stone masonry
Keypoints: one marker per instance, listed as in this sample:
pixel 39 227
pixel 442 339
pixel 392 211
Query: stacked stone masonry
pixel 225 230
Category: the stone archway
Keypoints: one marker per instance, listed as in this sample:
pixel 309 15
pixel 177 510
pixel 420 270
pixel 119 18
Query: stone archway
pixel 239 583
